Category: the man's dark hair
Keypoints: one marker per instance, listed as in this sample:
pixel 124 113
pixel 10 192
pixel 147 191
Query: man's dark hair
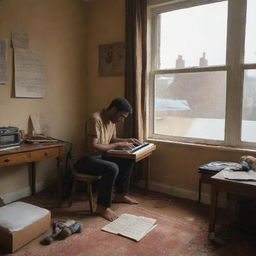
pixel 121 104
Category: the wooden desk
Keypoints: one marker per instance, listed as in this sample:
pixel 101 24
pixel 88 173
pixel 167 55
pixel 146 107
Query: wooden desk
pixel 219 183
pixel 30 154
pixel 143 154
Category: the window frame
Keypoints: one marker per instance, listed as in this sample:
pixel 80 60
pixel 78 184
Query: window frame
pixel 236 21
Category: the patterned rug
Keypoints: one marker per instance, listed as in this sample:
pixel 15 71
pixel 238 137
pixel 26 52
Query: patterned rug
pixel 171 237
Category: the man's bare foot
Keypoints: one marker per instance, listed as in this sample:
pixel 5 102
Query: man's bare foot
pixel 124 199
pixel 106 213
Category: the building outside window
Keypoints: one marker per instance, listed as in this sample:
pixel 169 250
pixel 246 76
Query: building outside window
pixel 202 72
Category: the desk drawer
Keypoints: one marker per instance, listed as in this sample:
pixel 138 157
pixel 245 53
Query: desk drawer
pixel 44 153
pixel 13 159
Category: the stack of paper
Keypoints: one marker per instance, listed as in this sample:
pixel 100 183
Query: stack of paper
pixel 131 226
pixel 233 175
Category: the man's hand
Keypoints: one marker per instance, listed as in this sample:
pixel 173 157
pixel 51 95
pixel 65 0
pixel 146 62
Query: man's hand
pixel 134 141
pixel 125 144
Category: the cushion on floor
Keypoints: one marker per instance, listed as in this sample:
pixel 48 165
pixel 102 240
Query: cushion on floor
pixel 20 223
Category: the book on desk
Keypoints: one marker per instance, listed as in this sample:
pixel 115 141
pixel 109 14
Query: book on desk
pixel 35 139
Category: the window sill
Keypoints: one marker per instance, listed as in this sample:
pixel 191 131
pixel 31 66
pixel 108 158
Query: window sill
pixel 206 146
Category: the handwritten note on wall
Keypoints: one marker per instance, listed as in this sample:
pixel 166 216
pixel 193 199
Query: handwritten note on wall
pixel 29 74
pixel 20 40
pixel 3 62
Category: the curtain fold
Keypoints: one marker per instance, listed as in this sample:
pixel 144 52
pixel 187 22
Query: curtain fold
pixel 135 65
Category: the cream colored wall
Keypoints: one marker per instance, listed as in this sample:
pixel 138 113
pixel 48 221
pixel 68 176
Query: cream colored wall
pixel 57 29
pixel 173 166
pixel 106 25
pixel 176 165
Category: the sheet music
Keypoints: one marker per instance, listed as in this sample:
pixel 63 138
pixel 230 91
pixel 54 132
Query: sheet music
pixel 20 40
pixel 139 228
pixel 119 224
pixel 239 175
pixel 3 62
pixel 134 227
pixel 29 75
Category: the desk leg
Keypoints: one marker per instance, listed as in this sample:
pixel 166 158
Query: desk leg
pixel 213 209
pixel 32 173
pixel 146 170
pixel 60 175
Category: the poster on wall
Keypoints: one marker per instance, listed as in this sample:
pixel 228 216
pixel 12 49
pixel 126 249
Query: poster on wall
pixel 111 59
pixel 28 74
pixel 3 62
pixel 20 40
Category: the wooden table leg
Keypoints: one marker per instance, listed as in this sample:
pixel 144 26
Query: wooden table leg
pixel 146 170
pixel 213 208
pixel 60 174
pixel 199 188
pixel 32 174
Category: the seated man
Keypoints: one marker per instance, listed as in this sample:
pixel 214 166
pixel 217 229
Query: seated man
pixel 100 136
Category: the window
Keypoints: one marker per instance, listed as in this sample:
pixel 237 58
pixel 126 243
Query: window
pixel 202 72
pixel 249 85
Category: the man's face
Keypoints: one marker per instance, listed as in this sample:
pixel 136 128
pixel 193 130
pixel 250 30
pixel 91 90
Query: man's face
pixel 118 116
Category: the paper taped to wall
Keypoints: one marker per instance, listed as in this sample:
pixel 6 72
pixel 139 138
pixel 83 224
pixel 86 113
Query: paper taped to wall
pixel 29 74
pixel 3 62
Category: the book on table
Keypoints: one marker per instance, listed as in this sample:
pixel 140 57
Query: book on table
pixel 131 226
pixel 40 138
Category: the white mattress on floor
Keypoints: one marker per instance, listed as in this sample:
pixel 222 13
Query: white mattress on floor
pixel 16 216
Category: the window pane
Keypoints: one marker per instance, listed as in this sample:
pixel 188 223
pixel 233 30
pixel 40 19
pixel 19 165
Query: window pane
pixel 250 34
pixel 249 107
pixel 194 36
pixel 190 105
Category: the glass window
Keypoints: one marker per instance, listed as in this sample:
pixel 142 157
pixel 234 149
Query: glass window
pixel 250 38
pixel 194 36
pixel 249 106
pixel 197 80
pixel 191 105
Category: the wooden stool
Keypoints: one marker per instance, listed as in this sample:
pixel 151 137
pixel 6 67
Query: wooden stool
pixel 88 179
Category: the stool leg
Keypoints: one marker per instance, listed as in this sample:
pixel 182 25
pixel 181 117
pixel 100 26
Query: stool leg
pixel 72 193
pixel 89 191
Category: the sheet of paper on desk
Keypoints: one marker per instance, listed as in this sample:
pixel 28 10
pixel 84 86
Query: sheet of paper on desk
pixel 39 123
pixel 131 226
pixel 250 175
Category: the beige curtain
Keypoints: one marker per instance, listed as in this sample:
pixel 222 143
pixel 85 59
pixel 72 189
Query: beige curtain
pixel 135 65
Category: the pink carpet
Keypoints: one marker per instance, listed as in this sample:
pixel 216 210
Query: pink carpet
pixel 171 237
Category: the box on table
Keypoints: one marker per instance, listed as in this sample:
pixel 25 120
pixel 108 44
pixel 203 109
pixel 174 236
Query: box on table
pixel 20 223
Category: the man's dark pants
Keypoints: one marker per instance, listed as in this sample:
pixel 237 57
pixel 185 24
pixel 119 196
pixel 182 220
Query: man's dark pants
pixel 114 171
